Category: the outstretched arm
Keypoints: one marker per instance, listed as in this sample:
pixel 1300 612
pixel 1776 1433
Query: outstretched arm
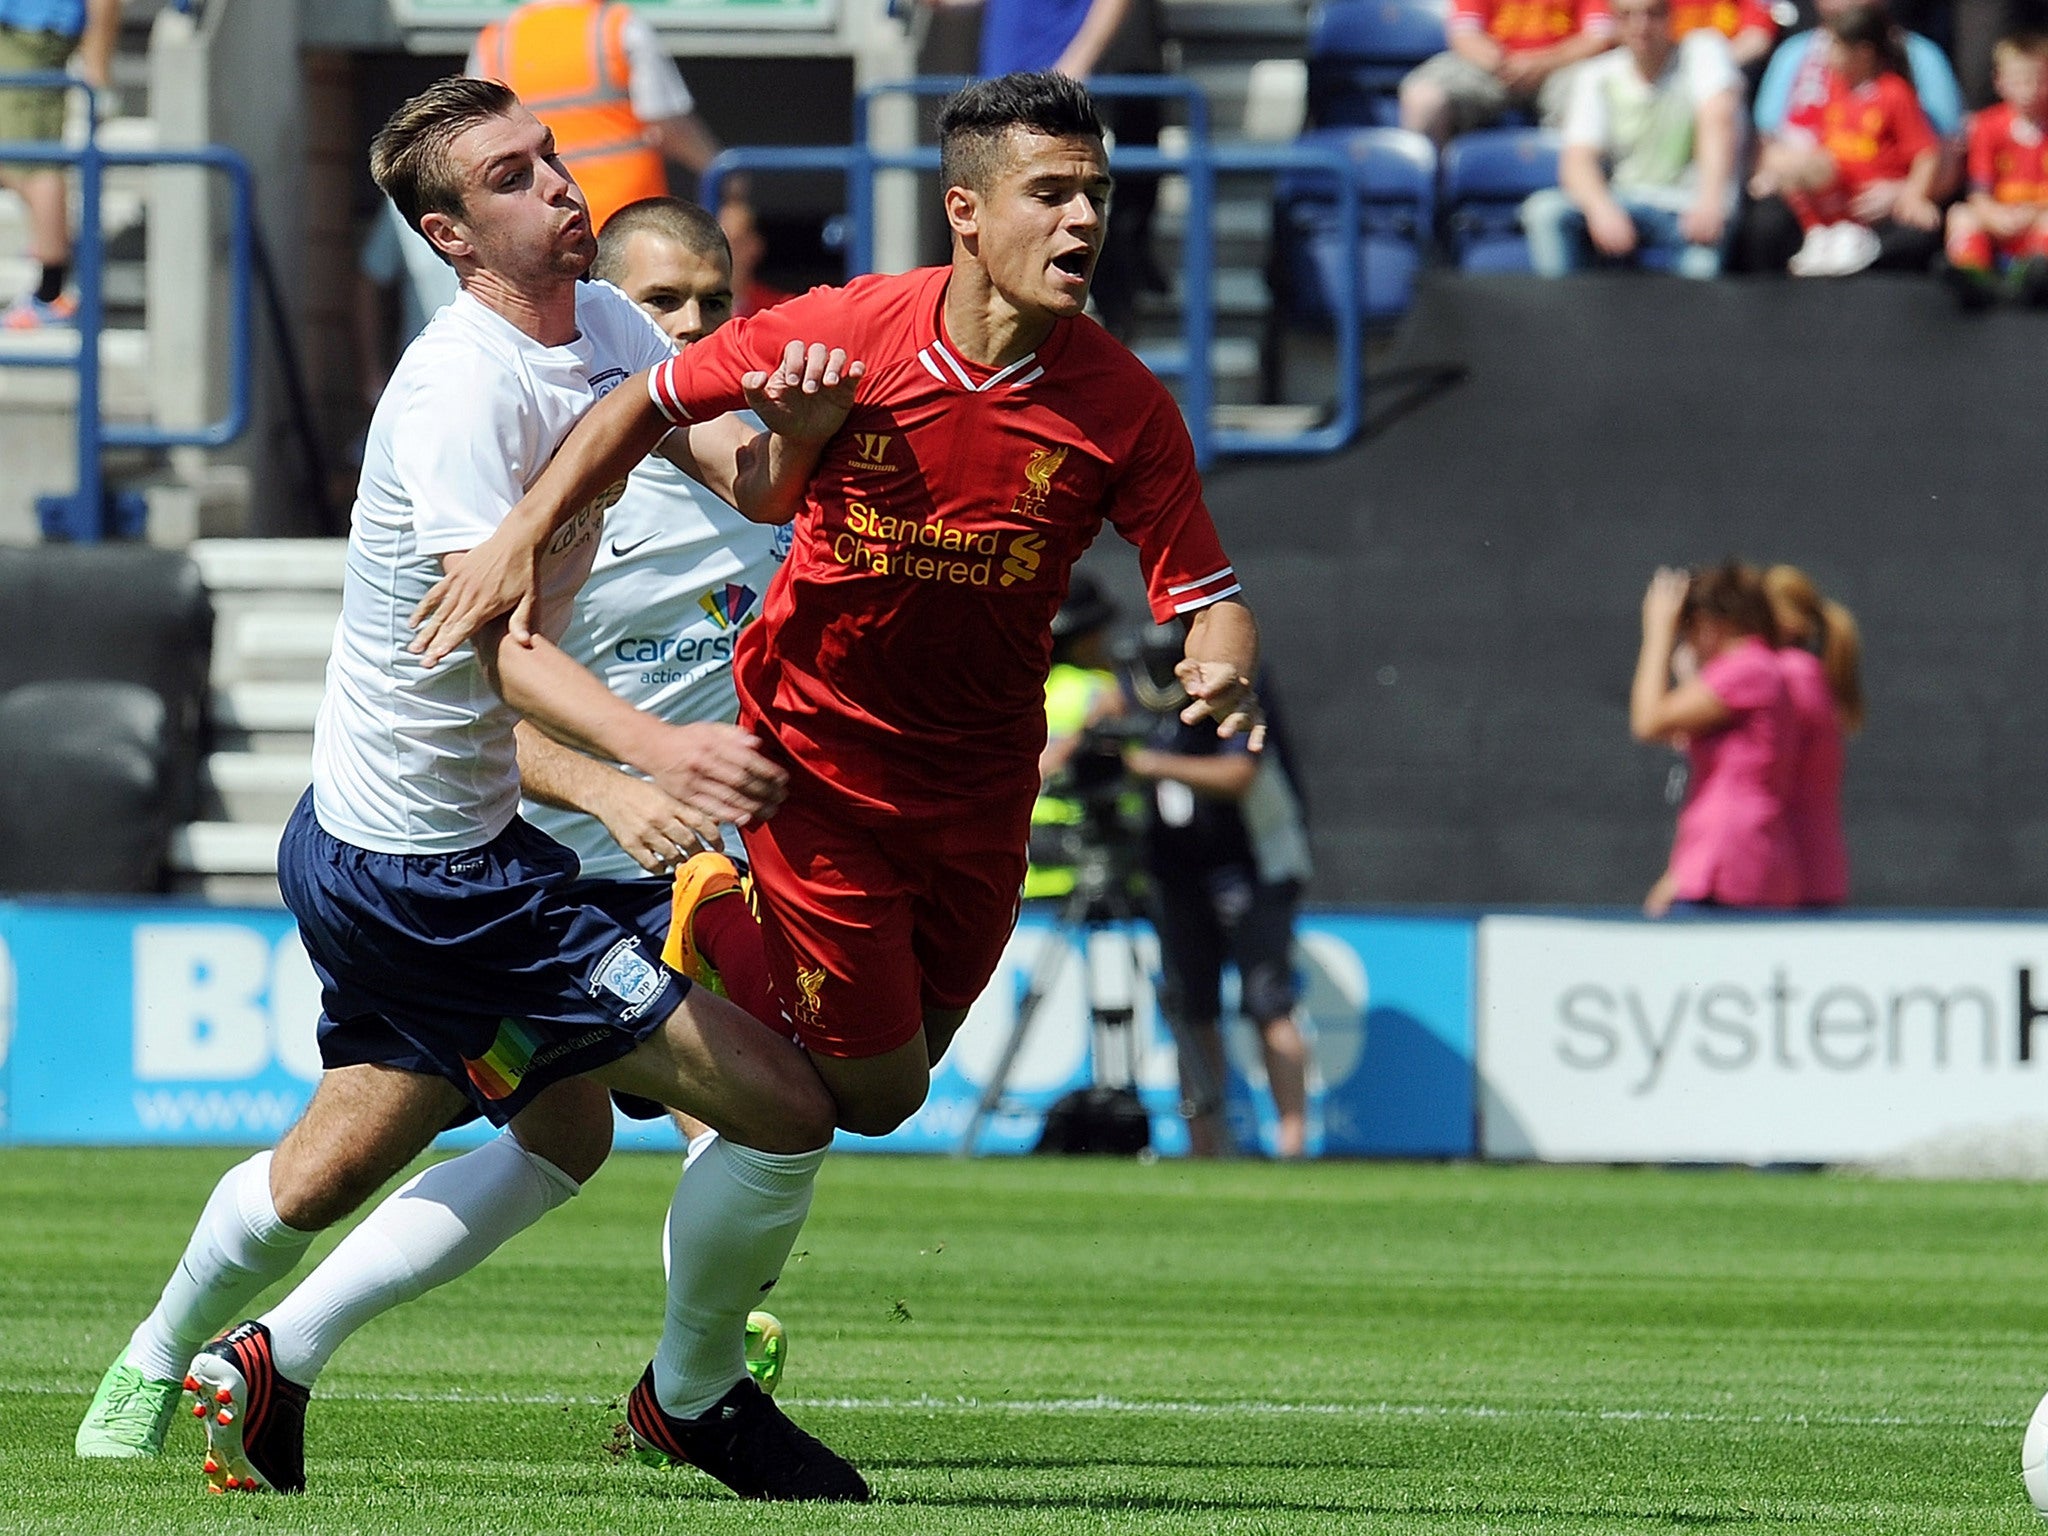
pixel 501 575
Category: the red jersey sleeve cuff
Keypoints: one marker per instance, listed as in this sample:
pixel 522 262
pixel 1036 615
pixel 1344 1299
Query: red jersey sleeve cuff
pixel 1213 588
pixel 661 387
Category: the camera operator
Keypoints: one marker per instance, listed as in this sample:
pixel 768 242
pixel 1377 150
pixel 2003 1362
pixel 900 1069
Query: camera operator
pixel 1226 847
pixel 1081 692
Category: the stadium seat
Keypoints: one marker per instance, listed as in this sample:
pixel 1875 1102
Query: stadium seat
pixel 1358 52
pixel 123 613
pixel 1485 177
pixel 102 699
pixel 1396 214
pixel 82 788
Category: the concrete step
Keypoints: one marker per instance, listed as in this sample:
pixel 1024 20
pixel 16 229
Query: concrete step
pixel 262 643
pixel 225 848
pixel 258 787
pixel 266 708
pixel 271 565
pixel 1230 357
pixel 124 371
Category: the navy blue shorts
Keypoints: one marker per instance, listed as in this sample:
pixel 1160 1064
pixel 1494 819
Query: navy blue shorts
pixel 497 969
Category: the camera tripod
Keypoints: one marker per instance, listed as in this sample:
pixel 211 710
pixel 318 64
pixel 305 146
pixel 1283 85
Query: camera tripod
pixel 1099 905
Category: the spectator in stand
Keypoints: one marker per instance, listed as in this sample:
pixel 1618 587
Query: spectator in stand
pixel 1746 24
pixel 1800 77
pixel 1647 173
pixel 1735 722
pixel 38 36
pixel 1820 654
pixel 2004 221
pixel 1505 56
pixel 595 73
pixel 1857 171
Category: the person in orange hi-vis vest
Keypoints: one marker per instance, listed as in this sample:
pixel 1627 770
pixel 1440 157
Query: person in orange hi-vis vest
pixel 593 71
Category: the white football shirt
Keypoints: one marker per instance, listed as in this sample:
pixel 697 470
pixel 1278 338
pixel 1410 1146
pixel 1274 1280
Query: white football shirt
pixel 416 761
pixel 677 575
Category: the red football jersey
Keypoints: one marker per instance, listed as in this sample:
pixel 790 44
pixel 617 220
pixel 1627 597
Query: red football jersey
pixel 1875 131
pixel 1730 18
pixel 902 652
pixel 2008 156
pixel 1520 25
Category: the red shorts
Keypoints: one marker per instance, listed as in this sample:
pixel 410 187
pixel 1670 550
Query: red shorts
pixel 867 925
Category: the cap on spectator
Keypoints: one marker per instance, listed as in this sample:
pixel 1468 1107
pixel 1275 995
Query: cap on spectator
pixel 1085 610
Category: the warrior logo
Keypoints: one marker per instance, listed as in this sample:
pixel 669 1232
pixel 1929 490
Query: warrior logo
pixel 871 451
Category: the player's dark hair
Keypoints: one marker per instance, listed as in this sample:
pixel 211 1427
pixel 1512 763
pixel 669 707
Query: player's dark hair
pixel 1733 593
pixel 670 218
pixel 1872 26
pixel 975 122
pixel 409 156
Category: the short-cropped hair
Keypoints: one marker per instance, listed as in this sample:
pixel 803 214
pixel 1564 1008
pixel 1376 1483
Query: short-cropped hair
pixel 974 123
pixel 671 218
pixel 409 156
pixel 2021 45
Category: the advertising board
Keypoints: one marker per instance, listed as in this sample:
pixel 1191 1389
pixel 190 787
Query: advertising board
pixel 1772 1041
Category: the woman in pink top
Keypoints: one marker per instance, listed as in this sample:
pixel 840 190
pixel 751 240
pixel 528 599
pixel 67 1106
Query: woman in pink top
pixel 1820 653
pixel 1735 721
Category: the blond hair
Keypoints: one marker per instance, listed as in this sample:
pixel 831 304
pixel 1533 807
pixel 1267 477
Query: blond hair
pixel 1806 617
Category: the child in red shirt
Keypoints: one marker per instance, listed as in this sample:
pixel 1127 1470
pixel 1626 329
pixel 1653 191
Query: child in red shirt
pixel 2004 221
pixel 1863 158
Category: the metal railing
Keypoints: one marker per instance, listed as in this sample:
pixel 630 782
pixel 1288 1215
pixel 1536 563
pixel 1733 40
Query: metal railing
pixel 1191 361
pixel 89 513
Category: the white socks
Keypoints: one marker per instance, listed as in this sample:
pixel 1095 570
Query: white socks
pixel 735 1216
pixel 439 1224
pixel 238 1248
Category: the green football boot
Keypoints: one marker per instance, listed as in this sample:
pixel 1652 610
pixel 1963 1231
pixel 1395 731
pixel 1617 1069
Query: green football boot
pixel 129 1414
pixel 766 1348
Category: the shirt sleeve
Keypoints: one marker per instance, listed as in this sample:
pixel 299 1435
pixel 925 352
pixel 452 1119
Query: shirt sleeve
pixel 1983 153
pixel 454 450
pixel 1755 14
pixel 654 84
pixel 703 381
pixel 1469 16
pixel 1934 83
pixel 1776 86
pixel 1157 505
pixel 1585 115
pixel 1595 19
pixel 1709 66
pixel 1744 677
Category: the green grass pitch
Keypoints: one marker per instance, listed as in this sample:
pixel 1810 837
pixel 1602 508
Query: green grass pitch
pixel 1051 1346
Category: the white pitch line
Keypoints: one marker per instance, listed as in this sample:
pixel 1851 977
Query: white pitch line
pixel 1248 1408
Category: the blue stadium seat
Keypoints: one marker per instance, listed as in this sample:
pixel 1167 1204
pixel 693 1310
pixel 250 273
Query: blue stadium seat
pixel 1396 214
pixel 1358 50
pixel 1485 177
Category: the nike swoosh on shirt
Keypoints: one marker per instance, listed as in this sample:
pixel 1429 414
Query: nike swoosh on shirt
pixel 620 554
